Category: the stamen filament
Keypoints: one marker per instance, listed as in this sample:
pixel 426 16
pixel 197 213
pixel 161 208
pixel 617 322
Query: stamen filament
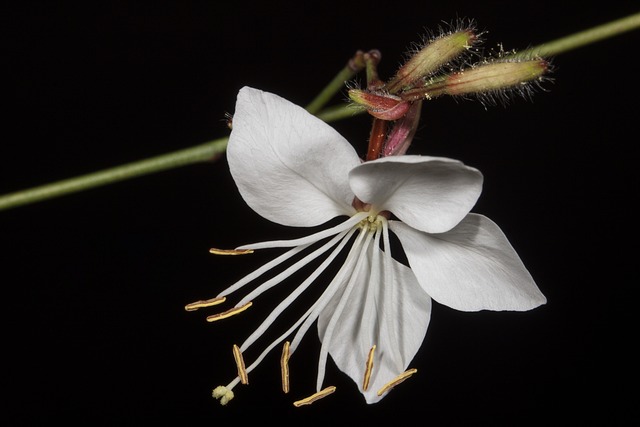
pixel 319 395
pixel 284 367
pixel 228 313
pixel 369 368
pixel 397 380
pixel 292 269
pixel 329 292
pixel 260 271
pixel 311 312
pixel 274 343
pixel 204 303
pixel 312 238
pixel 242 372
pixel 230 251
pixel 301 288
pixel 330 328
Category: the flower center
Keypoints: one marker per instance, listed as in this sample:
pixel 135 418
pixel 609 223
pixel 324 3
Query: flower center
pixel 373 222
pixel 366 207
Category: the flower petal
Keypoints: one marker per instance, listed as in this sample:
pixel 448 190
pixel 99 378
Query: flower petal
pixel 471 267
pixel 392 316
pixel 431 194
pixel 289 166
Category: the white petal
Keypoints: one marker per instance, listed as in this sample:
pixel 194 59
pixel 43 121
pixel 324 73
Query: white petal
pixel 394 317
pixel 471 267
pixel 431 194
pixel 289 166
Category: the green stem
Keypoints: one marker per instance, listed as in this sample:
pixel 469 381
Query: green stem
pixel 339 112
pixel 583 38
pixel 211 150
pixel 199 153
pixel 331 89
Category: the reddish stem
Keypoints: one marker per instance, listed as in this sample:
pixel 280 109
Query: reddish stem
pixel 376 138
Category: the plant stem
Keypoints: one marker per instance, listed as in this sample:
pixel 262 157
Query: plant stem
pixel 331 89
pixel 583 38
pixel 199 153
pixel 212 149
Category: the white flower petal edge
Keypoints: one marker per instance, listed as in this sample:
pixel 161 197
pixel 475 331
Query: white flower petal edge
pixel 290 167
pixel 431 194
pixel 471 267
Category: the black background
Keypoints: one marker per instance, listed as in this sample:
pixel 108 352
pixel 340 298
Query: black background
pixel 94 284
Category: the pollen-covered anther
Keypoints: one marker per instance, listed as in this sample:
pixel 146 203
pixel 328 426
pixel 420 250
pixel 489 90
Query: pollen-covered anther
pixel 316 396
pixel 368 369
pixel 216 251
pixel 204 303
pixel 229 313
pixel 242 372
pixel 284 367
pixel 397 380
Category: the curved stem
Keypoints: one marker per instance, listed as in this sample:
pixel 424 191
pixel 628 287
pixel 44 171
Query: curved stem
pixel 209 151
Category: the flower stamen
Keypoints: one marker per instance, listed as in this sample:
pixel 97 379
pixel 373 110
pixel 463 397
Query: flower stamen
pixel 204 303
pixel 216 251
pixel 284 367
pixel 397 380
pixel 242 372
pixel 369 368
pixel 228 313
pixel 316 396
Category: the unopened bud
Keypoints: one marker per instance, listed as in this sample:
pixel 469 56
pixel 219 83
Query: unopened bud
pixel 486 78
pixel 499 75
pixel 431 57
pixel 380 105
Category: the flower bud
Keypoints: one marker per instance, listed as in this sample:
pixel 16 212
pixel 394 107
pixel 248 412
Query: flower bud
pixel 486 78
pixel 495 76
pixel 380 105
pixel 431 57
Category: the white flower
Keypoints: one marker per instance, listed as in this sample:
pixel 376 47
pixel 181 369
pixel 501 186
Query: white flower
pixel 372 316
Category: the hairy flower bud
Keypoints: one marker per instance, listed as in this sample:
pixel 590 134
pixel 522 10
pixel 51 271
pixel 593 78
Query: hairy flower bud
pixel 498 75
pixel 380 105
pixel 485 78
pixel 431 57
